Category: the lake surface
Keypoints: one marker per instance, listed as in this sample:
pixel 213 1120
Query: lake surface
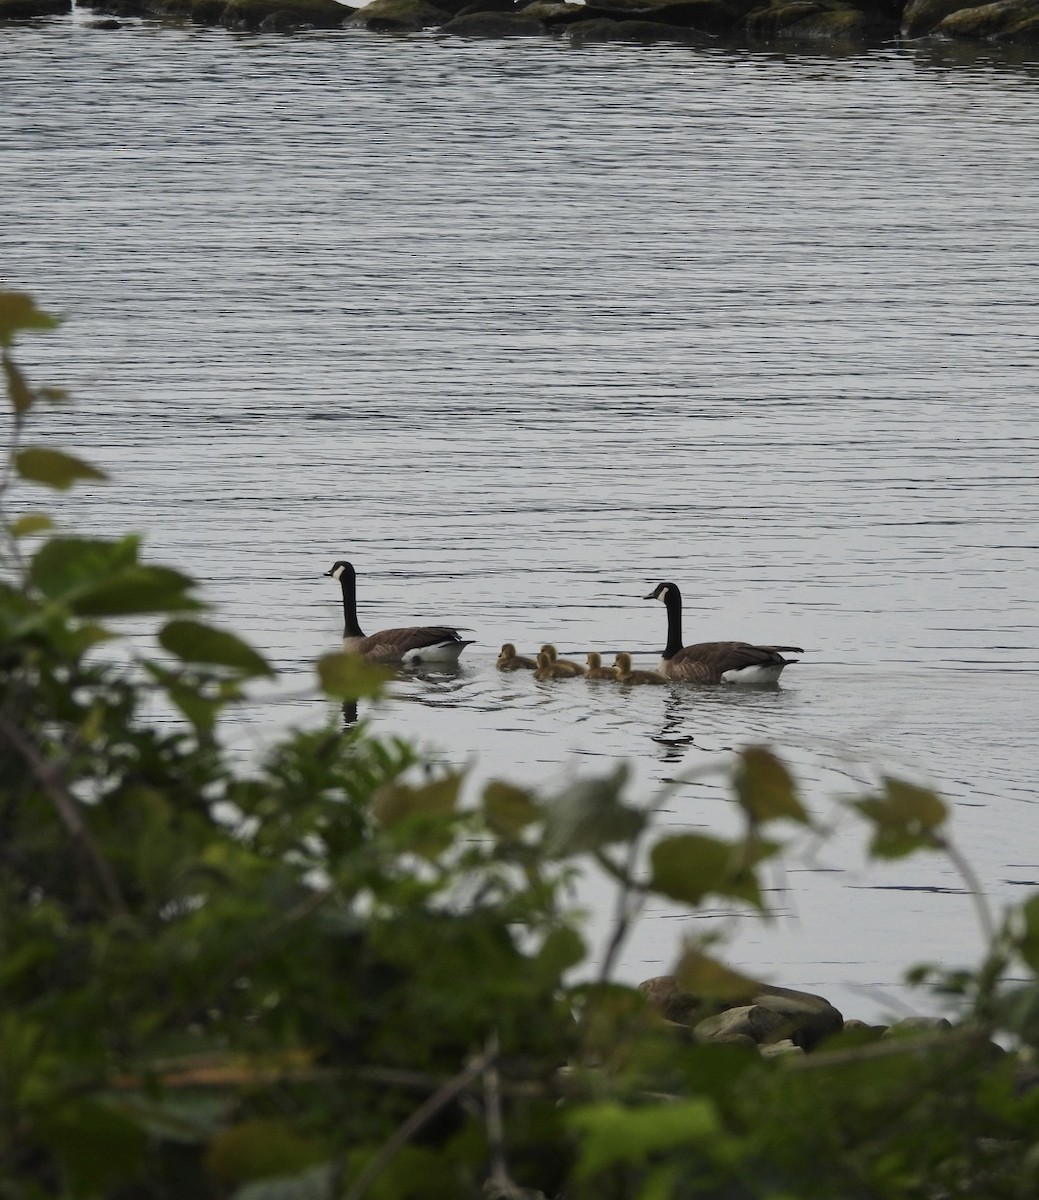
pixel 522 330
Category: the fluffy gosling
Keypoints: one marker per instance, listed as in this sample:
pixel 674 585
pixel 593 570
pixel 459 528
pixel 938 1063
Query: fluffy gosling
pixel 596 670
pixel 547 669
pixel 626 675
pixel 568 666
pixel 509 660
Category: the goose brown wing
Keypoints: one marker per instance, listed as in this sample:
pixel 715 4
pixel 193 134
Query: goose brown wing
pixel 390 645
pixel 707 661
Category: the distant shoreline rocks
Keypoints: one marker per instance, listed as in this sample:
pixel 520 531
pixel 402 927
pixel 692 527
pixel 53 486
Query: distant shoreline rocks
pixel 837 23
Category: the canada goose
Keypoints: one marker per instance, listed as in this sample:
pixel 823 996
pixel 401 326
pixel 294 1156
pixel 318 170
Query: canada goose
pixel 625 674
pixel 714 662
pixel 550 669
pixel 418 644
pixel 509 660
pixel 566 666
pixel 596 670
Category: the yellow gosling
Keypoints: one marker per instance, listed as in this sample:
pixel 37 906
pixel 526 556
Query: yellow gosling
pixel 596 670
pixel 547 669
pixel 568 666
pixel 509 660
pixel 626 675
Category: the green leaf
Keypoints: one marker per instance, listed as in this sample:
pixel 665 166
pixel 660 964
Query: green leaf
pixel 1027 932
pixel 200 707
pixel 590 815
pixel 18 312
pixel 399 802
pixel 707 978
pixel 138 590
pixel 191 641
pixel 77 1130
pixel 315 1184
pixel 54 468
pixel 905 818
pixel 508 810
pixel 18 388
pixel 692 866
pixel 102 578
pixel 259 1149
pixel 349 677
pixel 612 1134
pixel 562 949
pixel 765 788
pixel 65 566
pixel 29 524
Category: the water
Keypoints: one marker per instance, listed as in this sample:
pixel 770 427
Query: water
pixel 523 329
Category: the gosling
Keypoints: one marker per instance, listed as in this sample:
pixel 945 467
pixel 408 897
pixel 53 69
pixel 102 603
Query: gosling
pixel 509 660
pixel 548 669
pixel 625 674
pixel 596 670
pixel 568 666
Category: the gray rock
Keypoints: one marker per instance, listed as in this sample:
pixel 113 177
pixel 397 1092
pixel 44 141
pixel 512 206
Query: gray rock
pixel 921 17
pixel 988 20
pixel 783 1049
pixel 20 10
pixel 398 16
pixel 494 25
pixel 555 12
pixel 913 1026
pixel 761 1025
pixel 805 1017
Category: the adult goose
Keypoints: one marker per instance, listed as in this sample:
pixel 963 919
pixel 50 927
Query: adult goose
pixel 714 662
pixel 509 660
pixel 418 644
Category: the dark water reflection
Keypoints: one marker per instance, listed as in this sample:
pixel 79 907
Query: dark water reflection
pixel 522 330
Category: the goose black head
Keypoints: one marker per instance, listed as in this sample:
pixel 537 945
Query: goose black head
pixel 339 569
pixel 661 592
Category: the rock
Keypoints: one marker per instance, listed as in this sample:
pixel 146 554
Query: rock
pixel 988 20
pixel 106 23
pixel 394 16
pixel 768 22
pixel 494 24
pixel 673 1002
pixel 841 25
pixel 914 1026
pixel 21 10
pixel 766 1014
pixel 781 1049
pixel 868 1033
pixel 920 17
pixel 759 1024
pixel 555 12
pixel 482 6
pixel 711 16
pixel 603 30
pixel 1024 31
pixel 278 14
pixel 811 1017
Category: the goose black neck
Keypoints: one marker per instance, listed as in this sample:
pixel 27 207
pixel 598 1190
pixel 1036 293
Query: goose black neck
pixel 673 604
pixel 348 582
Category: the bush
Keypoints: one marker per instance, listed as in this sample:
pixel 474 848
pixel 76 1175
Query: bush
pixel 327 976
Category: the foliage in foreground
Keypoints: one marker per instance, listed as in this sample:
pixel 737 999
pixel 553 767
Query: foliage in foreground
pixel 326 976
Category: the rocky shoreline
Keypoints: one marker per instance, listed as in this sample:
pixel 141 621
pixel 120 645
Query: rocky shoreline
pixel 773 1020
pixel 783 22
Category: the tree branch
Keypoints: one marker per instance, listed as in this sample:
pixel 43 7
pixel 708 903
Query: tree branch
pixel 53 784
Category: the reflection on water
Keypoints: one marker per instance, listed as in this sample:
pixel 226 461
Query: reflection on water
pixel 759 323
